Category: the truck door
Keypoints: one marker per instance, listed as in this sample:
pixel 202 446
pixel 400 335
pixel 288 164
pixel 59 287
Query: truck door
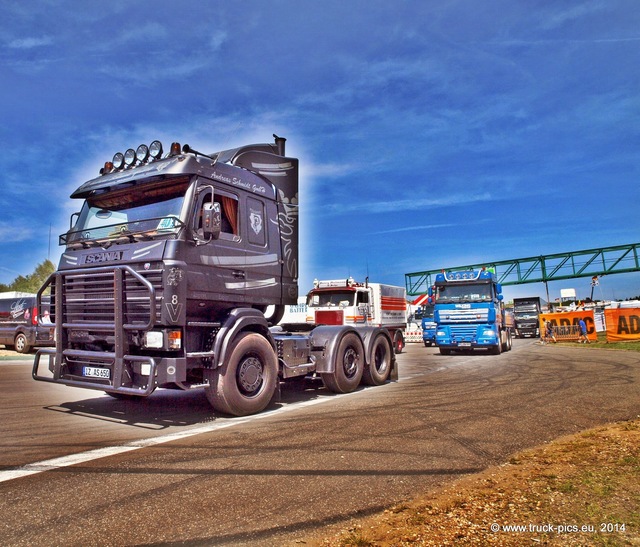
pixel 263 280
pixel 219 266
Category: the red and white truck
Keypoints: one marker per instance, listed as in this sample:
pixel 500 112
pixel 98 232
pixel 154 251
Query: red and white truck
pixel 346 302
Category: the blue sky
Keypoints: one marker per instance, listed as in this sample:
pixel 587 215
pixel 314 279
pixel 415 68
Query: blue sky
pixel 430 133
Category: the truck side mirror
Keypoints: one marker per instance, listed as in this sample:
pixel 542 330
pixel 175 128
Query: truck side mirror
pixel 211 220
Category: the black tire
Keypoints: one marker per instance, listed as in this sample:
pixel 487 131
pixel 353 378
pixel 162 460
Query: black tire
pixel 21 344
pixel 247 381
pixel 398 342
pixel 348 365
pixel 509 341
pixel 377 371
pixel 497 350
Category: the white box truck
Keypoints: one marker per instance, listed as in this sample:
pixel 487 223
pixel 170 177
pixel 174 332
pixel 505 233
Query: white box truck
pixel 346 302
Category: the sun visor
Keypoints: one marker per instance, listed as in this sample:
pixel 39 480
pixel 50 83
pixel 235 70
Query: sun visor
pixel 171 166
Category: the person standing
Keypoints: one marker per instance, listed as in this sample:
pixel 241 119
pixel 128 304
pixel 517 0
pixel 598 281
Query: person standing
pixel 582 338
pixel 548 332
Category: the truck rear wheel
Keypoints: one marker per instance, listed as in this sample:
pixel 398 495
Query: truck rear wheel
pixel 247 381
pixel 377 372
pixel 398 341
pixel 348 365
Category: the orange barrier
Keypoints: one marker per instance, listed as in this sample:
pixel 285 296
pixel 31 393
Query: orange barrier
pixel 566 326
pixel 623 324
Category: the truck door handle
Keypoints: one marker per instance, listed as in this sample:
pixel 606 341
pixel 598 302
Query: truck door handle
pixel 238 274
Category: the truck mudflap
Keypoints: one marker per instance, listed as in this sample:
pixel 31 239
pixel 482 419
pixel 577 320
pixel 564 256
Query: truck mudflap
pixel 113 384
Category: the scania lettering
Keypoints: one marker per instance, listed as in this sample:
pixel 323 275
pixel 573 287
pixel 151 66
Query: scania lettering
pixel 470 314
pixel 345 302
pixel 168 270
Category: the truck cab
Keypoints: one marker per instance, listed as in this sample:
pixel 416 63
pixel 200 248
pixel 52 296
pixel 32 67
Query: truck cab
pixel 168 271
pixel 347 302
pixel 469 312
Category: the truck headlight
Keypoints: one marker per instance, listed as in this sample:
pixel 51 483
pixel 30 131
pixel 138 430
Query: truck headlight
pixel 154 339
pixel 167 340
pixel 489 333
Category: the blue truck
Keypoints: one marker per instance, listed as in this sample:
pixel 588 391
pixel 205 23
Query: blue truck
pixel 428 324
pixel 470 313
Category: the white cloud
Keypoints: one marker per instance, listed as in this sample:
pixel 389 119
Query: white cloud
pixel 30 43
pixel 404 205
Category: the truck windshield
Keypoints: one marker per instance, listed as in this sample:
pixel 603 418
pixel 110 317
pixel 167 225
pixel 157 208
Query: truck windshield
pixel 464 293
pixel 320 299
pixel 140 212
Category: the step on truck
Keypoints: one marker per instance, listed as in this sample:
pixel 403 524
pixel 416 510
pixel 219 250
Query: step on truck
pixel 346 302
pixel 168 270
pixel 469 312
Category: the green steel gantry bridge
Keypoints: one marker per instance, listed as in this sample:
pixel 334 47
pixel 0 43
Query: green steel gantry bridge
pixel 541 269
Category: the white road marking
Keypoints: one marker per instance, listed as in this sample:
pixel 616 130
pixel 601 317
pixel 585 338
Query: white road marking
pixel 83 457
pixel 104 452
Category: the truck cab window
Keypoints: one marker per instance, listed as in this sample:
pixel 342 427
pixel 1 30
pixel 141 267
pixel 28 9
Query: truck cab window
pixel 229 206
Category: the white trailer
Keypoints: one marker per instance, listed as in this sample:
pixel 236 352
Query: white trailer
pixel 346 302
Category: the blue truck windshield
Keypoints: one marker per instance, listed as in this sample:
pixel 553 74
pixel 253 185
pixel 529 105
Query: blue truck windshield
pixel 480 292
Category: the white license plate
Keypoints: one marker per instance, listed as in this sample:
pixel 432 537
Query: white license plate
pixel 465 344
pixel 95 372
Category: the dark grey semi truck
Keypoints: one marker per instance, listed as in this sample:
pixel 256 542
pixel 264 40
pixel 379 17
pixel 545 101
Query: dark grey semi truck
pixel 174 274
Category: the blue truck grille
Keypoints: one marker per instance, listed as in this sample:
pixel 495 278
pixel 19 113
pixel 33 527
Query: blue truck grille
pixel 463 332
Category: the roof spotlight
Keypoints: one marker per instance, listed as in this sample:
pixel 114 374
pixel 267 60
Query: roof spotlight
pixel 142 153
pixel 108 167
pixel 130 157
pixel 175 149
pixel 155 150
pixel 118 160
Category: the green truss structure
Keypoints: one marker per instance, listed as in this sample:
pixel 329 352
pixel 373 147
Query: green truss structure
pixel 541 269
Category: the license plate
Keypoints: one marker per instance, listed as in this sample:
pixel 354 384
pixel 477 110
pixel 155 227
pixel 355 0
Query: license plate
pixel 465 344
pixel 95 372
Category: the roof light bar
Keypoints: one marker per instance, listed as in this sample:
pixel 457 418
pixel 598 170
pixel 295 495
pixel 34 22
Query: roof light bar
pixel 142 154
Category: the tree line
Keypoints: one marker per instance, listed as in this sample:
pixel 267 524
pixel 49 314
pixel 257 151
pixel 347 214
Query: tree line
pixel 30 283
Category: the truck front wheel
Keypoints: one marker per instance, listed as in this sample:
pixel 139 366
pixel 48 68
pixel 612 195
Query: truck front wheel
pixel 348 365
pixel 246 382
pixel 377 372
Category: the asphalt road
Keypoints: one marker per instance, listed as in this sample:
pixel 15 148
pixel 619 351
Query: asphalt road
pixel 313 461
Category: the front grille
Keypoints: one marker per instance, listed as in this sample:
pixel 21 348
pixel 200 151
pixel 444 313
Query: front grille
pixel 463 332
pixel 89 297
